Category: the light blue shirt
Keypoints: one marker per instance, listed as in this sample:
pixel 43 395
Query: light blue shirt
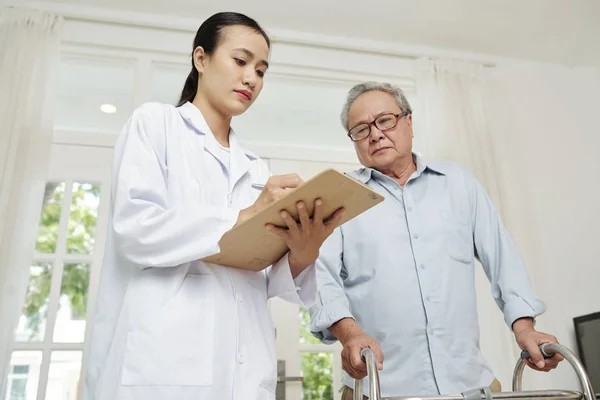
pixel 404 270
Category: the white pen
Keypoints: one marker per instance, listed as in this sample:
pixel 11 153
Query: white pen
pixel 258 186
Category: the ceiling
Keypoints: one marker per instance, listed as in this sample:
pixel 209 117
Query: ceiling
pixel 563 31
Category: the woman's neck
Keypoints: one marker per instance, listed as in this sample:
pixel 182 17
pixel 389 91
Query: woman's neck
pixel 218 124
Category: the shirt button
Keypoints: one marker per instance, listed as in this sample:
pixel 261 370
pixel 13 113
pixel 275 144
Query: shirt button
pixel 409 208
pixel 415 236
pixel 422 266
pixel 430 332
pixel 427 299
pixel 240 297
pixel 241 358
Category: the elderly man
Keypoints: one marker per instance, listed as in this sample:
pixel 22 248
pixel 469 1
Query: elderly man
pixel 399 278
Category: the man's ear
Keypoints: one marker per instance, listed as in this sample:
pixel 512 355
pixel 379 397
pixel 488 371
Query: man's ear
pixel 199 58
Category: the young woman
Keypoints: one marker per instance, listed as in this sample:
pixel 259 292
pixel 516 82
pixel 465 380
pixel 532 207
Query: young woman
pixel 167 325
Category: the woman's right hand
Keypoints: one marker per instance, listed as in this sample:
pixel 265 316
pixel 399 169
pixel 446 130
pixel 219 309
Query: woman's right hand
pixel 275 188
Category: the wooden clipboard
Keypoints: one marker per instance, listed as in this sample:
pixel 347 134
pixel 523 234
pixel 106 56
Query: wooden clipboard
pixel 252 246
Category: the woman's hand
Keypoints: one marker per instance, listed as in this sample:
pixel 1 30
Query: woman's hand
pixel 304 239
pixel 275 188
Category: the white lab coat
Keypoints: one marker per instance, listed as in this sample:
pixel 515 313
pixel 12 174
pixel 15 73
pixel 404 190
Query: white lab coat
pixel 167 326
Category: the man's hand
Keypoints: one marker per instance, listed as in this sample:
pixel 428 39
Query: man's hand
pixel 354 339
pixel 529 339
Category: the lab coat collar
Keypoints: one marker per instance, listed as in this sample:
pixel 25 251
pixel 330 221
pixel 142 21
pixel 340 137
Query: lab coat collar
pixel 241 159
pixel 365 174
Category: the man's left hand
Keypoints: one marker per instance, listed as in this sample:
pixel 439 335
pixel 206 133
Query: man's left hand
pixel 529 339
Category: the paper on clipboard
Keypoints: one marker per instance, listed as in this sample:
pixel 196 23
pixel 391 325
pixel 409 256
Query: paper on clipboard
pixel 252 246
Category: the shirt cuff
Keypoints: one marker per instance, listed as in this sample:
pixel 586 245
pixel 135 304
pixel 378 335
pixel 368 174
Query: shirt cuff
pixel 302 290
pixel 517 308
pixel 305 276
pixel 328 314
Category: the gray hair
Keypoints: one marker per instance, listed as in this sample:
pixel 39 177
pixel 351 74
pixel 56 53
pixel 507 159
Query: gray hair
pixel 365 87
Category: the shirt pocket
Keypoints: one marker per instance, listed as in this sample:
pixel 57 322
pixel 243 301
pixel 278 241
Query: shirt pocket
pixel 175 347
pixel 458 235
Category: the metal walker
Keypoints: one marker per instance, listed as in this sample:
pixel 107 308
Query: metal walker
pixel 547 350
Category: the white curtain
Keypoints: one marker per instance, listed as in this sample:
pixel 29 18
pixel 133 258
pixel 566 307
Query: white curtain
pixel 451 125
pixel 29 45
pixel 452 119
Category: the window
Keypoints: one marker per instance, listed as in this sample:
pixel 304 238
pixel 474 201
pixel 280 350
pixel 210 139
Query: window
pixel 22 380
pixel 167 81
pixel 303 112
pixel 53 319
pixel 94 94
pixel 18 389
pixel 63 375
pixel 317 370
pixel 317 363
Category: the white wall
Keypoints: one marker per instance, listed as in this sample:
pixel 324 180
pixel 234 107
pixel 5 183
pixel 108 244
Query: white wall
pixel 549 137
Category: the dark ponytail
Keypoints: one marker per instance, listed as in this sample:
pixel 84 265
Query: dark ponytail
pixel 208 37
pixel 189 88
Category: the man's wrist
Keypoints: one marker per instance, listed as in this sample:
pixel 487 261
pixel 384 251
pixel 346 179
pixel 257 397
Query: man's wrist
pixel 522 323
pixel 345 328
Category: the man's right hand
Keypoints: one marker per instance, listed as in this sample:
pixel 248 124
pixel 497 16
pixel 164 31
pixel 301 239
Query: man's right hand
pixel 353 340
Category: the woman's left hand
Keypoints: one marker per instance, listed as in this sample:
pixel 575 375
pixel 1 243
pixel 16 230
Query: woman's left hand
pixel 304 238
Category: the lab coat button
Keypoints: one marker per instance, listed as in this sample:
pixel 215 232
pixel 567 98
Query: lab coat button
pixel 241 358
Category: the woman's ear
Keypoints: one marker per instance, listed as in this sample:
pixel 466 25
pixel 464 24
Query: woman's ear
pixel 199 59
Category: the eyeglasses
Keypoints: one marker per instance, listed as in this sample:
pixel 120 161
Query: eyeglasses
pixel 384 122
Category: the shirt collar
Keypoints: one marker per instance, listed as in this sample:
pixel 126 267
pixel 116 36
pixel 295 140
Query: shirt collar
pixel 365 174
